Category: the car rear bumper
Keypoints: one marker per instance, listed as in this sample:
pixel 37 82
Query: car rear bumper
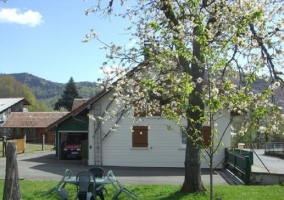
pixel 72 153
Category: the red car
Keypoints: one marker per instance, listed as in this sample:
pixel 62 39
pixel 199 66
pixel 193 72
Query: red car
pixel 72 146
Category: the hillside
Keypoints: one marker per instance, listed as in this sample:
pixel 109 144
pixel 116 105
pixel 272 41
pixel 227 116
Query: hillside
pixel 278 97
pixel 11 88
pixel 48 92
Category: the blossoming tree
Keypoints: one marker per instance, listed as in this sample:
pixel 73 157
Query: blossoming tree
pixel 192 59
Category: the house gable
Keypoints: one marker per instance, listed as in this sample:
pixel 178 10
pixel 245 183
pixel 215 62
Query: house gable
pixel 77 123
pixel 8 105
pixel 15 104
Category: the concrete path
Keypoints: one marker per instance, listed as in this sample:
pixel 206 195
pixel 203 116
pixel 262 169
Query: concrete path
pixel 264 163
pixel 44 166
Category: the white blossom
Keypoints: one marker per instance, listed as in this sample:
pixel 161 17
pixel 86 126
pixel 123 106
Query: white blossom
pixel 192 84
pixel 262 129
pixel 199 80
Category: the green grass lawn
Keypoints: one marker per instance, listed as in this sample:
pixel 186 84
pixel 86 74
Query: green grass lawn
pixel 34 189
pixel 31 189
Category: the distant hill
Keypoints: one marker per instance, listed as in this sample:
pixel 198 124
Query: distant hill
pixel 48 92
pixel 278 97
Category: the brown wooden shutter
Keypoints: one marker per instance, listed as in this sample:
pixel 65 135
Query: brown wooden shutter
pixel 140 136
pixel 206 136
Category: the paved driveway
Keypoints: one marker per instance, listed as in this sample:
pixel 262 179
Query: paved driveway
pixel 44 166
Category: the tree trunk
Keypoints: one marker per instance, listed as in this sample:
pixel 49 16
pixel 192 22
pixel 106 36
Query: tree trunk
pixel 192 180
pixel 12 186
pixel 211 171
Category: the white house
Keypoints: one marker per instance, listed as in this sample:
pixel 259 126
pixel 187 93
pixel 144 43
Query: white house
pixel 8 105
pixel 150 144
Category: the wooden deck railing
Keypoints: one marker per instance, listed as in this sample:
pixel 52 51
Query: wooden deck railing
pixel 239 164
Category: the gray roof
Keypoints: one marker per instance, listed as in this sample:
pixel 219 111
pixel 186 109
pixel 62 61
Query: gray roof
pixel 6 103
pixel 78 102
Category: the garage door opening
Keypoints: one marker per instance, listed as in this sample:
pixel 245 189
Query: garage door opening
pixel 71 145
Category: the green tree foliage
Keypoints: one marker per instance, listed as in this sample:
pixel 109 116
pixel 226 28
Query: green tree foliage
pixel 67 97
pixel 42 89
pixel 11 88
pixel 49 92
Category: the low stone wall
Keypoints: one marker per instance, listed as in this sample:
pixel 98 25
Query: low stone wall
pixel 278 154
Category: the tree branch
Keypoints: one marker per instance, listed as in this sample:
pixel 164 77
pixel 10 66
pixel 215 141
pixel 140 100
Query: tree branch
pixel 269 58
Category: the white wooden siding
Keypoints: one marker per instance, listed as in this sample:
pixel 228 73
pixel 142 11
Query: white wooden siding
pixel 164 148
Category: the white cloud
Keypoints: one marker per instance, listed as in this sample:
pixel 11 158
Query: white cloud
pixel 14 15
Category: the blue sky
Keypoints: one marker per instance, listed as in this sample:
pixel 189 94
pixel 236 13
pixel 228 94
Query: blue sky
pixel 43 38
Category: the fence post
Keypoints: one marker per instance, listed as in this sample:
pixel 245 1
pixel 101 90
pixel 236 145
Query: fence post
pixel 251 157
pixel 43 142
pixel 4 146
pixel 25 141
pixel 226 155
pixel 12 187
pixel 247 170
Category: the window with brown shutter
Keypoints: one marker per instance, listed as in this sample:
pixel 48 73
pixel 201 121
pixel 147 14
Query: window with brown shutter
pixel 206 132
pixel 140 136
pixel 206 136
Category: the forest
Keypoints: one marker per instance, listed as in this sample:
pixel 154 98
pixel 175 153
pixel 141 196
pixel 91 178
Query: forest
pixel 41 93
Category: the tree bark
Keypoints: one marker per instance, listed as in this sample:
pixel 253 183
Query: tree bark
pixel 192 179
pixel 12 187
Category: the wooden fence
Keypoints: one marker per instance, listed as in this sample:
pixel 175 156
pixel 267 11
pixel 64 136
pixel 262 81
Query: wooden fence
pixel 21 145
